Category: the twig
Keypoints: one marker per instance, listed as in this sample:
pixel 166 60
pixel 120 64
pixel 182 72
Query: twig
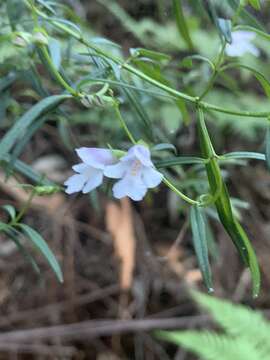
pixel 93 329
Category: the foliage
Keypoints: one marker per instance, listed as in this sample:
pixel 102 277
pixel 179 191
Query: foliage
pixel 76 80
pixel 245 336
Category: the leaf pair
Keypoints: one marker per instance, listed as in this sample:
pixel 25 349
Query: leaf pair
pixel 224 208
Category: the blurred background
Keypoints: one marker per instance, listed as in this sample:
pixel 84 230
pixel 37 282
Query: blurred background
pixel 128 267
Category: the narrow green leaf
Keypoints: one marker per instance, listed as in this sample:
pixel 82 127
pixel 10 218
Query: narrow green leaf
pixel 224 207
pixel 25 170
pixel 55 52
pixel 211 241
pixel 151 69
pixel 7 81
pixel 256 4
pixel 246 16
pixel 233 227
pixel 179 160
pixel 14 235
pixel 163 146
pixel 150 54
pixel 47 6
pixel 200 244
pixel 3 226
pixel 244 155
pixel 267 147
pixel 20 146
pixel 10 210
pixel 180 103
pixel 40 243
pixel 200 58
pixel 259 76
pixel 139 110
pixel 181 22
pixel 43 107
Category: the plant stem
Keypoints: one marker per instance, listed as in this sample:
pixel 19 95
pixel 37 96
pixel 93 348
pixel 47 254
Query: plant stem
pixel 24 209
pixel 167 89
pixel 179 193
pixel 56 73
pixel 124 125
pixel 215 73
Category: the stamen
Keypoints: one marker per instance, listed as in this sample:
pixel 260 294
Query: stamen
pixel 135 167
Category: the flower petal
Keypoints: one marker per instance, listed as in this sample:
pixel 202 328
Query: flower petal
pixel 241 44
pixel 139 152
pixel 95 157
pixel 128 187
pixel 241 35
pixel 253 50
pixel 116 171
pixel 80 168
pixel 75 183
pixel 94 181
pixel 151 177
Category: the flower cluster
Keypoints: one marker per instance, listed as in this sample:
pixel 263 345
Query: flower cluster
pixel 135 171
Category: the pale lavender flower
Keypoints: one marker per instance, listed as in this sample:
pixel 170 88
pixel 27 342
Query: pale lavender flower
pixel 136 173
pixel 241 44
pixel 90 172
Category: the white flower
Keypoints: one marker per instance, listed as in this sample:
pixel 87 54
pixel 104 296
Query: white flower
pixel 241 44
pixel 136 173
pixel 90 171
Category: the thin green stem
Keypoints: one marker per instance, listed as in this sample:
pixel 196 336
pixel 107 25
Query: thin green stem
pixel 131 69
pixel 179 193
pixel 217 65
pixel 124 125
pixel 55 72
pixel 23 209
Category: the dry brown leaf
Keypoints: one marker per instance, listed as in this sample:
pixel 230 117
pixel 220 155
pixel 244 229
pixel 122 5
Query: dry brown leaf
pixel 193 276
pixel 173 257
pixel 120 225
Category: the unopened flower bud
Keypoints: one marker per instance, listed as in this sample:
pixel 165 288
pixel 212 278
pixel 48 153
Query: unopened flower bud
pixel 97 100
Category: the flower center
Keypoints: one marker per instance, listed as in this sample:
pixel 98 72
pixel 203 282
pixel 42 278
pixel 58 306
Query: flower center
pixel 135 167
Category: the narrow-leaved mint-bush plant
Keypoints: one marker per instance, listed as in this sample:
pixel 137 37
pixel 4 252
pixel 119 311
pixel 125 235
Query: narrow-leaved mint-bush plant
pixel 123 97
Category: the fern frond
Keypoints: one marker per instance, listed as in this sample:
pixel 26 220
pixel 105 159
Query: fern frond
pixel 237 320
pixel 214 346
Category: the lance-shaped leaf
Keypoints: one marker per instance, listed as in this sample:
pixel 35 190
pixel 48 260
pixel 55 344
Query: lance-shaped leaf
pixel 267 147
pixel 243 155
pixel 224 207
pixel 18 129
pixel 41 244
pixel 179 160
pixel 259 76
pixel 181 22
pixel 14 235
pixel 246 16
pixel 255 3
pixel 200 243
